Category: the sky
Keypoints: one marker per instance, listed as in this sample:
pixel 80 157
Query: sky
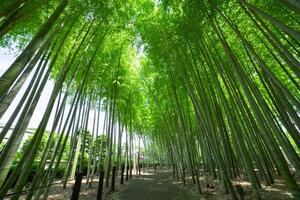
pixel 7 57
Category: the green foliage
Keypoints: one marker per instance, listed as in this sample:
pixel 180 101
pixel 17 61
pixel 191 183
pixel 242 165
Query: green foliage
pixel 207 82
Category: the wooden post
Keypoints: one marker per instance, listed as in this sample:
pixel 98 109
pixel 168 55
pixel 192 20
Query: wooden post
pixel 100 185
pixel 113 178
pixel 127 171
pixel 138 161
pixel 174 170
pixel 183 175
pixel 77 186
pixel 122 174
pixel 130 174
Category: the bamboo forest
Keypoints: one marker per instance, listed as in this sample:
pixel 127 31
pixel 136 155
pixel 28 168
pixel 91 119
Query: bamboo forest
pixel 150 99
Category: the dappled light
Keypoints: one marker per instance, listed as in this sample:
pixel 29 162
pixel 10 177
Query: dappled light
pixel 149 99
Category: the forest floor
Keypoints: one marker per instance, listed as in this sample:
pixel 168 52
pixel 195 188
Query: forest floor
pixel 278 191
pixel 152 186
pixel 161 186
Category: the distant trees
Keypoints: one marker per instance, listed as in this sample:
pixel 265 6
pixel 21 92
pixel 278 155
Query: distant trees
pixel 209 87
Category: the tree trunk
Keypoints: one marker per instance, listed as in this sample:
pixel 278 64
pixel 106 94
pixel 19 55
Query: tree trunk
pixel 9 77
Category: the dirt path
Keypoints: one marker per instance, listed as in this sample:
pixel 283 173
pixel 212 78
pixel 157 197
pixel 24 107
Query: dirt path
pixel 153 186
pixel 161 186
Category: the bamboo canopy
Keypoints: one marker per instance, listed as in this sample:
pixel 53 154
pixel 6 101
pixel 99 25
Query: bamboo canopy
pixel 209 87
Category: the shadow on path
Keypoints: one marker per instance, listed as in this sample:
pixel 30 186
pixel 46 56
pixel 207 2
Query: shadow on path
pixel 153 186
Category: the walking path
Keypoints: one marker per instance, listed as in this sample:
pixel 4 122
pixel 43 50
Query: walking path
pixel 153 186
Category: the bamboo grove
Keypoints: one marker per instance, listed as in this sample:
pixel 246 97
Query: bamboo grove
pixel 208 87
